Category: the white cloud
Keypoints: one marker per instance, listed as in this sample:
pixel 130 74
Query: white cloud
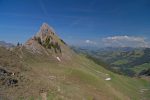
pixel 90 42
pixel 125 41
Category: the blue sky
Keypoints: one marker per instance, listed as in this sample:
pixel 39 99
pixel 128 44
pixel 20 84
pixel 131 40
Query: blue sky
pixel 75 21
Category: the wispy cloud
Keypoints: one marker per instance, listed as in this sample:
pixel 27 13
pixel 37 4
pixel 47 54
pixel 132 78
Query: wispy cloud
pixel 90 42
pixel 125 41
pixel 43 7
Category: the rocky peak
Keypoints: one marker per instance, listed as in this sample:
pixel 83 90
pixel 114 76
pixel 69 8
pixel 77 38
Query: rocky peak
pixel 47 42
pixel 45 31
pixel 47 39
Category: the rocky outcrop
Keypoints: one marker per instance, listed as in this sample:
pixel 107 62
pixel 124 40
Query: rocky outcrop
pixel 45 31
pixel 8 78
pixel 47 42
pixel 44 39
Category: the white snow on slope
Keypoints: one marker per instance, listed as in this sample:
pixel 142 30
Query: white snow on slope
pixel 58 59
pixel 108 79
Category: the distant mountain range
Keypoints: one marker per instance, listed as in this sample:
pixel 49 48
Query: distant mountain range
pixel 7 45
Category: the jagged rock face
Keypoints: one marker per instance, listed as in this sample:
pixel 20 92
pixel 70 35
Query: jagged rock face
pixel 45 38
pixel 46 41
pixel 45 31
pixel 34 46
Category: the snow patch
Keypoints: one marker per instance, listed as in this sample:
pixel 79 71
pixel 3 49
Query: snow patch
pixel 58 89
pixel 143 90
pixel 52 77
pixel 58 59
pixel 108 79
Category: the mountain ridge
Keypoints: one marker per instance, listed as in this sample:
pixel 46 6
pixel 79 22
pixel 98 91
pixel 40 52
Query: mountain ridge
pixel 5 44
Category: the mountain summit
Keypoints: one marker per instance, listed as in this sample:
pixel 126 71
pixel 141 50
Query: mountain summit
pixel 47 42
pixel 44 31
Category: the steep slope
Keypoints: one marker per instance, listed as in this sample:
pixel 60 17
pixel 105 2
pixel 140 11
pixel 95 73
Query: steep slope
pixel 41 76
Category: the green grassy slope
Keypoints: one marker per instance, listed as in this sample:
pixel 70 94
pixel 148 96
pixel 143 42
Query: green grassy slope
pixel 120 62
pixel 80 79
pixel 139 68
pixel 77 79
